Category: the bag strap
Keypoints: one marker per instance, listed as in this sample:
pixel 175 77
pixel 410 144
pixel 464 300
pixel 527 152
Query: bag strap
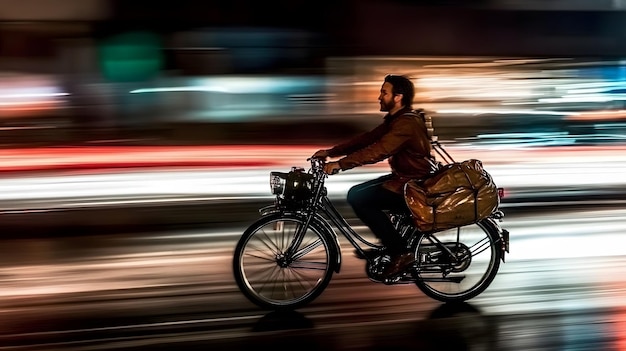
pixel 437 147
pixel 428 121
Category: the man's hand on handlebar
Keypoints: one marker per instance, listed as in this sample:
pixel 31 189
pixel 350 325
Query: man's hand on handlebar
pixel 331 168
pixel 321 154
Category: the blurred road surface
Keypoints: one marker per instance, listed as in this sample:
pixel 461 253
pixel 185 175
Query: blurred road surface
pixel 561 288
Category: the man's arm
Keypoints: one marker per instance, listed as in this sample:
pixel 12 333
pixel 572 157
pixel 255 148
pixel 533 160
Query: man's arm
pixel 402 129
pixel 359 142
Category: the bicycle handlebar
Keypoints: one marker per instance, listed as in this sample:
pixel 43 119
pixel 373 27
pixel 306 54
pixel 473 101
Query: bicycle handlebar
pixel 317 164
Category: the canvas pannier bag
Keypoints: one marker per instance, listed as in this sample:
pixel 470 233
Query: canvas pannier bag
pixel 458 194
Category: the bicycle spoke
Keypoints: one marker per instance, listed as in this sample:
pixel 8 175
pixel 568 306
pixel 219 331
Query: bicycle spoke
pixel 467 272
pixel 320 266
pixel 271 276
pixel 307 249
pixel 262 255
pixel 480 246
pixel 273 247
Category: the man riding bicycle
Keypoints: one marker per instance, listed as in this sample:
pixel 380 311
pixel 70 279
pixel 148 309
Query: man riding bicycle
pixel 403 139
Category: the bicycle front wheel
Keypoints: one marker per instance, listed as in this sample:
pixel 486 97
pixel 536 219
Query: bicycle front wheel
pixel 464 268
pixel 273 277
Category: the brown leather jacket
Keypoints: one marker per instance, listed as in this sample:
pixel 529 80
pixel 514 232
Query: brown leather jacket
pixel 402 138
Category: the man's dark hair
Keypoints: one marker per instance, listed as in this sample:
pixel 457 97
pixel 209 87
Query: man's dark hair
pixel 402 85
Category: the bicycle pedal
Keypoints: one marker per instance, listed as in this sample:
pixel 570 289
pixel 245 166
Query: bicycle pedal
pixel 391 280
pixel 400 278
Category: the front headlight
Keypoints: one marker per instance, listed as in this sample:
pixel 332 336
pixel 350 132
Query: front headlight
pixel 277 182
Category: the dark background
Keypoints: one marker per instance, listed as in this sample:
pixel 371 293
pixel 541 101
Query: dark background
pixel 397 27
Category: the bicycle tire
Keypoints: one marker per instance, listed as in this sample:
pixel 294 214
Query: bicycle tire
pixel 260 267
pixel 468 277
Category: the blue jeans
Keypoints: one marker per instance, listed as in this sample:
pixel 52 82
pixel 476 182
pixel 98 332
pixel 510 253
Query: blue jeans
pixel 370 200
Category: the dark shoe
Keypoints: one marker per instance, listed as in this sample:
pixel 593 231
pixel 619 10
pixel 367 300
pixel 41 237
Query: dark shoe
pixel 398 264
pixel 368 254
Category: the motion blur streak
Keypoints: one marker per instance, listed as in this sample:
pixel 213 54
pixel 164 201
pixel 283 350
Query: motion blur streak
pixel 620 328
pixel 536 239
pixel 99 157
pixel 104 273
pixel 533 242
pixel 42 159
pixel 172 173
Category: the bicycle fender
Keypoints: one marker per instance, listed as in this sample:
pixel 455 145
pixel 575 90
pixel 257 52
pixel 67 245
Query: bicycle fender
pixel 502 233
pixel 268 210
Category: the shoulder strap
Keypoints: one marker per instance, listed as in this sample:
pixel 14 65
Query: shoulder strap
pixel 428 121
pixel 434 140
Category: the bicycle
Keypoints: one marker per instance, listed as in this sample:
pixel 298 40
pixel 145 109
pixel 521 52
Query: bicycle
pixel 287 258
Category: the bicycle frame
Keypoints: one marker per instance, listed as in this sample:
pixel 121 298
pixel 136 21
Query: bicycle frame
pixel 320 209
pixel 343 226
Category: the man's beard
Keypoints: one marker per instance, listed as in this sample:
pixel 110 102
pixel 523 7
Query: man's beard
pixel 386 107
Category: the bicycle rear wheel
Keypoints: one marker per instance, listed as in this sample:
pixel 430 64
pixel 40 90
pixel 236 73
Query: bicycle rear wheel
pixel 465 269
pixel 273 278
